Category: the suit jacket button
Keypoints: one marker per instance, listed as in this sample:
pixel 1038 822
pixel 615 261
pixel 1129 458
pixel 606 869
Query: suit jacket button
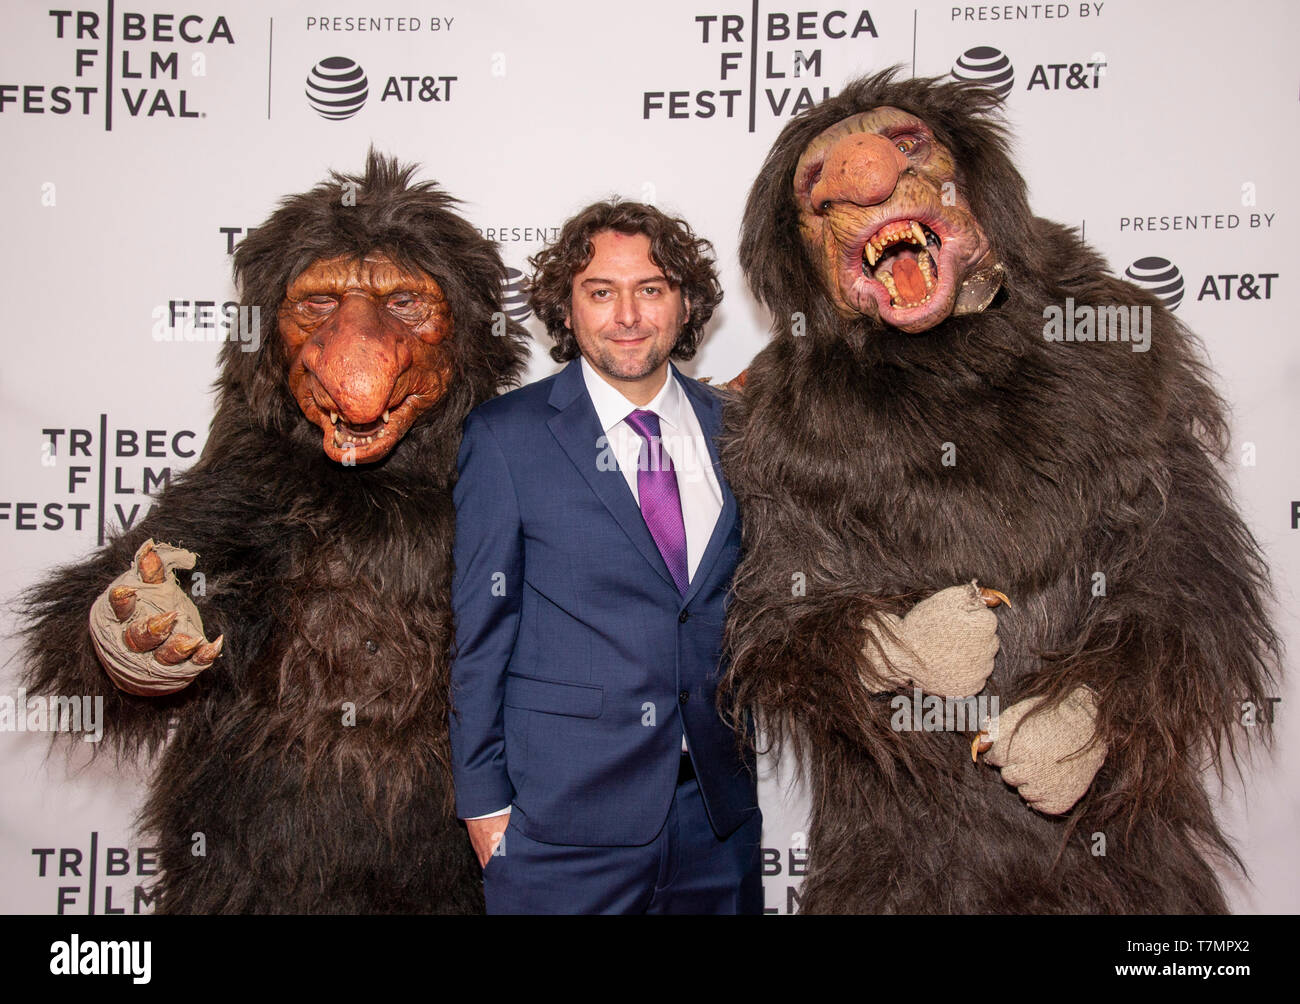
pixel 683 617
pixel 684 696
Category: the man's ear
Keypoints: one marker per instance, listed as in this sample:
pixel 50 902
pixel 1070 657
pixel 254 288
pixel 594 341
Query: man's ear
pixel 686 302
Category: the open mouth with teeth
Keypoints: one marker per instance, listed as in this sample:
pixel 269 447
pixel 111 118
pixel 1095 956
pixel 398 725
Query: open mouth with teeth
pixel 364 442
pixel 353 436
pixel 903 257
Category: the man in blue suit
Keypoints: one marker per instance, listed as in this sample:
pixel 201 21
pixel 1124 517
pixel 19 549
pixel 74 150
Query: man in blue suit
pixel 595 544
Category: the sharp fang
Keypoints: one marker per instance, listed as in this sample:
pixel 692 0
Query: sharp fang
pixel 918 233
pixel 873 255
pixel 385 414
pixel 334 418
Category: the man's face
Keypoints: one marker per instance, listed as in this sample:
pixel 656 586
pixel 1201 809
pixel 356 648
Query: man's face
pixel 623 311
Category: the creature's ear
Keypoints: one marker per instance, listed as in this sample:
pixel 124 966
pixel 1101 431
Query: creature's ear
pixel 980 286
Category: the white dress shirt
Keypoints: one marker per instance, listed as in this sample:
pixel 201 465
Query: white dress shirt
pixel 681 438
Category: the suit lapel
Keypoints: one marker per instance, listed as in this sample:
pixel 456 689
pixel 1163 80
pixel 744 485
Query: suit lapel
pixel 708 409
pixel 577 429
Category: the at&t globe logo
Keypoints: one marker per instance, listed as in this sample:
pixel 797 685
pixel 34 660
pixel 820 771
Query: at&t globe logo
pixel 988 66
pixel 515 295
pixel 1160 277
pixel 337 87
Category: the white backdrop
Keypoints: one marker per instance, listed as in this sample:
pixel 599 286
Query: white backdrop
pixel 140 139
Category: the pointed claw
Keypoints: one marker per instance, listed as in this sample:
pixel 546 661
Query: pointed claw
pixel 146 634
pixel 207 652
pixel 122 600
pixel 151 567
pixel 993 597
pixel 177 649
pixel 980 744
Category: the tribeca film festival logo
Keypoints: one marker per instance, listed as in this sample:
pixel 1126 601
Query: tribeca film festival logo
pixel 337 88
pixel 95 880
pixel 786 63
pixel 97 477
pixel 195 318
pixel 986 65
pixel 199 321
pixel 794 866
pixel 136 62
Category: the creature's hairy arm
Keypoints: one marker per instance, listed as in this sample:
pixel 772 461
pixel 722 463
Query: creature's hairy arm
pixel 58 654
pixel 1175 650
pixel 794 631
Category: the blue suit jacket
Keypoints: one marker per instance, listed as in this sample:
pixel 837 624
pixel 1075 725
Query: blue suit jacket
pixel 577 664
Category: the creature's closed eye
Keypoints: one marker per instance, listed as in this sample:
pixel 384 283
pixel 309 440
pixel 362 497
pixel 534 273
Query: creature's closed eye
pixel 318 305
pixel 809 177
pixel 407 305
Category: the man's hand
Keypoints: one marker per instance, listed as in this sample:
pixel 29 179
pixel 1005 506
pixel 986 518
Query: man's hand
pixel 485 834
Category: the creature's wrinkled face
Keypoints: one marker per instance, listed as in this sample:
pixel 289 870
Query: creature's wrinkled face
pixel 364 342
pixel 888 231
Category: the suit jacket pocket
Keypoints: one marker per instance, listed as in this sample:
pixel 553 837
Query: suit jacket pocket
pixel 553 697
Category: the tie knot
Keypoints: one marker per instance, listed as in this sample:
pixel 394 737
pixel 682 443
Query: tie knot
pixel 646 423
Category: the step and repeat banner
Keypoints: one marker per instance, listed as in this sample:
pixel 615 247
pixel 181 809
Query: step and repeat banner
pixel 140 141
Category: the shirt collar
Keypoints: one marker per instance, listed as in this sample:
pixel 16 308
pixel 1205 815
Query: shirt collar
pixel 612 407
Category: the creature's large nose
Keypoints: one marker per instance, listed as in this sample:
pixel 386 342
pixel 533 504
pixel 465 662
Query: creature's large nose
pixel 361 356
pixel 862 168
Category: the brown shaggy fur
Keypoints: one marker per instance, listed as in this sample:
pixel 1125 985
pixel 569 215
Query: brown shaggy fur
pixel 331 584
pixel 1072 458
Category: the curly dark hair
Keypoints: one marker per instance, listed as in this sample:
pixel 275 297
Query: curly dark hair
pixel 687 262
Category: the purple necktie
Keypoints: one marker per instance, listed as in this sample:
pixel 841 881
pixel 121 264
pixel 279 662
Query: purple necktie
pixel 661 503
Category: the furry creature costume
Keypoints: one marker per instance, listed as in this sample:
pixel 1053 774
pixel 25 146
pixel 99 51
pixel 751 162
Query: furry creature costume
pixel 913 423
pixel 312 754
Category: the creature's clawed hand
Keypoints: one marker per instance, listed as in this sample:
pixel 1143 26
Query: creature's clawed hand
pixel 1050 756
pixel 162 647
pixel 945 645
